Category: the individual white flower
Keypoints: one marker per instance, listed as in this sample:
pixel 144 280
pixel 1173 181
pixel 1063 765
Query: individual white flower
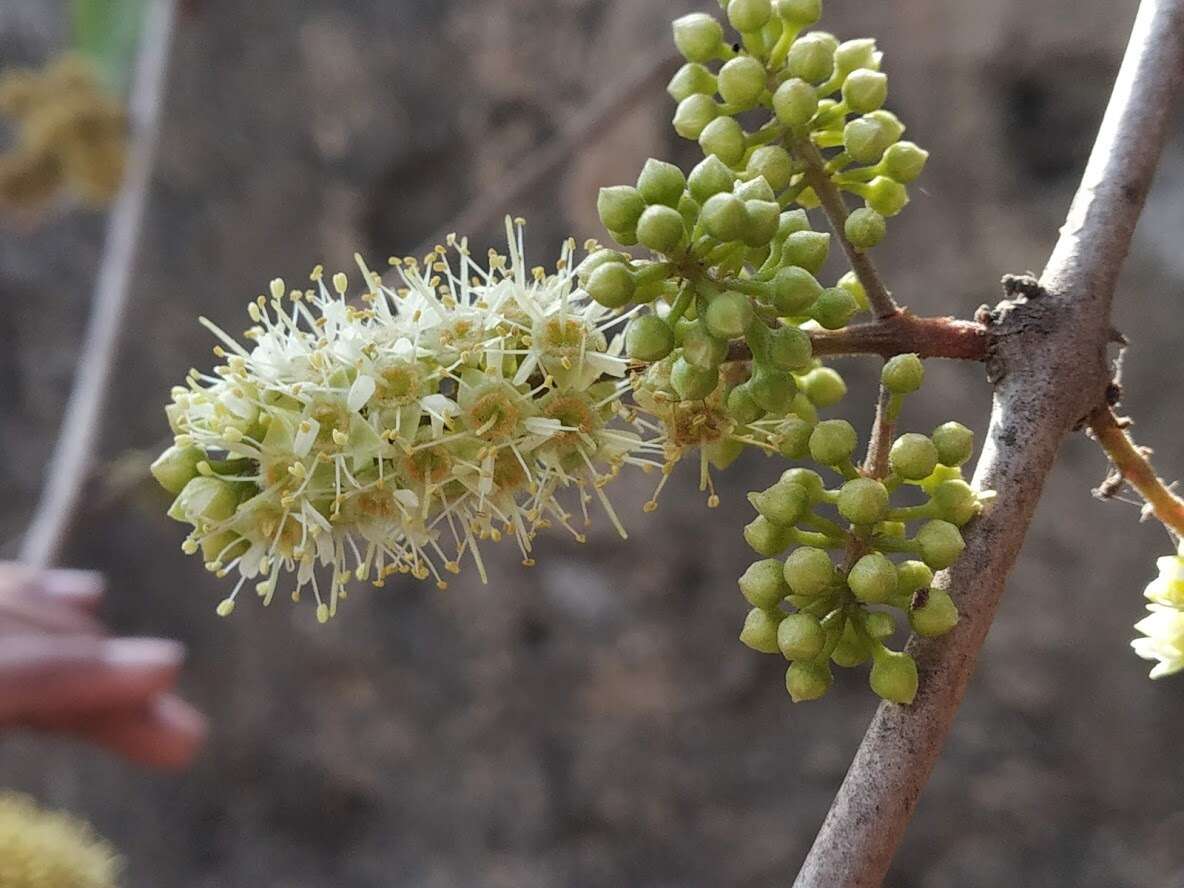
pixel 1164 640
pixel 396 432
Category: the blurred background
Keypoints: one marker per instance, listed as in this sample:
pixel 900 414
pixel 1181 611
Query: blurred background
pixel 592 721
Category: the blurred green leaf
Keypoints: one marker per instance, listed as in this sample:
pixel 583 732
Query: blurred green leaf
pixel 106 30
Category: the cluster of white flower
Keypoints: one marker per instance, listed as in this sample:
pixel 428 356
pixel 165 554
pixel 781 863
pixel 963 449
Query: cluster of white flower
pixel 1163 628
pixel 392 434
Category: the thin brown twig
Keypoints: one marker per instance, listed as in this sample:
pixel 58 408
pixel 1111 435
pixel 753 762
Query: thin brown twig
pixel 833 205
pixel 876 463
pixel 900 334
pixel 66 473
pixel 1131 462
pixel 1050 370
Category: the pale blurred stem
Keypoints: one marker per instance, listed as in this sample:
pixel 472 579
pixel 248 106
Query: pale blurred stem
pixel 1136 470
pixel 831 199
pixel 876 464
pixel 75 449
pixel 1048 361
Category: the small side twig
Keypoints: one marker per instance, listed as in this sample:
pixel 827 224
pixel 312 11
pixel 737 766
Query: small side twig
pixel 1131 462
pixel 900 334
pixel 67 471
pixel 876 464
pixel 836 211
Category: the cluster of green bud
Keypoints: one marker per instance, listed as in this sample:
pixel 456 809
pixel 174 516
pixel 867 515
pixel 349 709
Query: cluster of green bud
pixel 818 95
pixel 835 598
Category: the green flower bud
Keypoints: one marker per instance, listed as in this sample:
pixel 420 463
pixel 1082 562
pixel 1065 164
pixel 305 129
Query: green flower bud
pixel 850 283
pixel 804 407
pixel 812 57
pixel 864 501
pixel 866 139
pixel 594 261
pixel 879 624
pixel 865 91
pixel 903 374
pixel 747 16
pixel 648 338
pixel 955 443
pixel 941 544
pixel 790 349
pixel 626 237
pixel 772 389
pixel 873 579
pixel 834 308
pixel 693 114
pixel 865 228
pixel 741 81
pixel 755 189
pixel 766 538
pixel 692 383
pixel 823 386
pixel 763 584
pixel 808 480
pixel 852 649
pixel 806 249
pixel 912 576
pixel 809 571
pixel 204 501
pixel 833 442
pixel 957 501
pixel 612 285
pixel 661 183
pixel 661 229
pixel 763 218
pixel 799 12
pixel 794 291
pixel 913 457
pixel 891 529
pixel 904 162
pixel 894 676
pixel 698 36
pixel 691 79
pixel 723 137
pixel 725 217
pixel 800 637
pixel 885 196
pixel 701 348
pixel 724 452
pixel 176 467
pixel 793 437
pixel 760 631
pixel 620 207
pixel 936 617
pixel 709 177
pixel 793 221
pixel 795 103
pixel 890 121
pixel 784 503
pixel 728 315
pixel 854 54
pixel 741 406
pixel 807 680
pixel 773 164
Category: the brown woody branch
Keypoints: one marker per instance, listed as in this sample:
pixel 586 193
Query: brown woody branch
pixel 1136 470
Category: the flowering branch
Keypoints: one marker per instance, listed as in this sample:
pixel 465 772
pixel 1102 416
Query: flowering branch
pixel 1136 470
pixel 1048 362
pixel 75 446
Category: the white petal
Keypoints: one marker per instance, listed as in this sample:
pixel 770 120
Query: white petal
pixel 361 392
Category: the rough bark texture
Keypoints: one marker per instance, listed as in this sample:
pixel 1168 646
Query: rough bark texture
pixel 591 722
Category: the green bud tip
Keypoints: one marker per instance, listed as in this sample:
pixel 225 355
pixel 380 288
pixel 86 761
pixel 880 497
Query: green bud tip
pixel 806 249
pixel 763 585
pixel 812 57
pixel 807 680
pixel 894 676
pixel 728 315
pixel 620 207
pixel 865 228
pixel 612 285
pixel 648 338
pixel 784 503
pixel 865 91
pixel 823 386
pixel 834 308
pixel 661 183
pixel 937 616
pixel 955 443
pixel 693 114
pixel 941 544
pixel 691 79
pixel 710 176
pixel 741 406
pixel 809 571
pixel 809 481
pixel 698 36
pixel 833 442
pixel 800 637
pixel 749 16
pixel 723 137
pixel 790 349
pixel 863 501
pixel 703 349
pixel 692 383
pixel 957 501
pixel 772 389
pixel 661 229
pixel 913 457
pixel 741 81
pixel 760 631
pixel 725 217
pixel 799 12
pixel 795 103
pixel 904 162
pixel 903 374
pixel 794 291
pixel 766 538
pixel 773 164
pixel 873 579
